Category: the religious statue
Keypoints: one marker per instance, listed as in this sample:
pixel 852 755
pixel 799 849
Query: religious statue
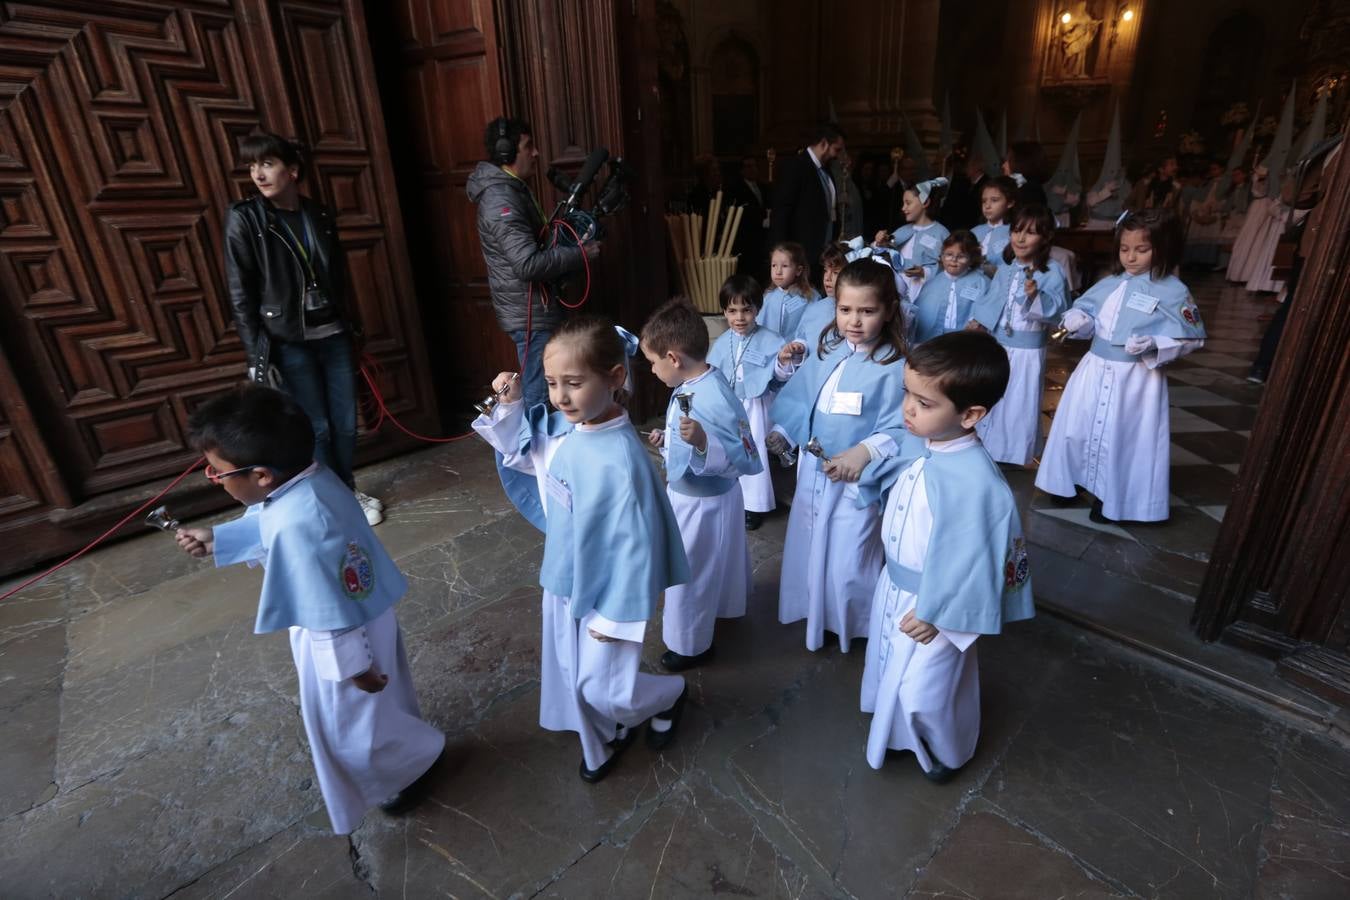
pixel 1077 30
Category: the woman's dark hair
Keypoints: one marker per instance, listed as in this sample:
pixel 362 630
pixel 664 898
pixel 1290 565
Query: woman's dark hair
pixel 599 345
pixel 1027 158
pixel 871 275
pixel 966 241
pixel 1040 221
pixel 741 287
pixel 255 426
pixel 971 367
pixel 1005 186
pixel 257 147
pixel 1164 234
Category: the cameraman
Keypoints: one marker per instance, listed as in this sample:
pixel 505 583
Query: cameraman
pixel 511 227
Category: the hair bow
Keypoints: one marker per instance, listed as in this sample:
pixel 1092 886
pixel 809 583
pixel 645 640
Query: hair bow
pixel 1018 179
pixel 925 188
pixel 631 345
pixel 1121 218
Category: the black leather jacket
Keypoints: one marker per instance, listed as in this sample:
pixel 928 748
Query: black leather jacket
pixel 266 276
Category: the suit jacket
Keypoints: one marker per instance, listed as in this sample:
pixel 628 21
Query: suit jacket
pixel 801 210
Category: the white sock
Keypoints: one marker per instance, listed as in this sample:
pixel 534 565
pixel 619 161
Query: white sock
pixel 659 725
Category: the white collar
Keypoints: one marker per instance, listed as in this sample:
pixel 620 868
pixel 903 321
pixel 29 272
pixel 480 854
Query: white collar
pixel 961 443
pixel 300 476
pixel 815 159
pixel 617 422
pixel 699 378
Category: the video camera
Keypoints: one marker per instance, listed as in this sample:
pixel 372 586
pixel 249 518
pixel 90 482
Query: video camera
pixel 585 225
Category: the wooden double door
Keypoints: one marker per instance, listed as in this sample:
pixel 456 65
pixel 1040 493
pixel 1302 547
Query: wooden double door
pixel 119 127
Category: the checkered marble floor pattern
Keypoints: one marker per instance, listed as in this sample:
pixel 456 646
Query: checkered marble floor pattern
pixel 1213 408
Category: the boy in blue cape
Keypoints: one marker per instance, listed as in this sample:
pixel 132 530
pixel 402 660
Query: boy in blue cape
pixel 331 583
pixel 956 559
pixel 708 446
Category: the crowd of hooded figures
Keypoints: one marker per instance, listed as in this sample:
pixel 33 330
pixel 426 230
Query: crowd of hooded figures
pixel 889 398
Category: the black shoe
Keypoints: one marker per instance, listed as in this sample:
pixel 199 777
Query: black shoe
pixel 1257 374
pixel 658 740
pixel 1057 500
pixel 591 776
pixel 674 662
pixel 1096 515
pixel 939 774
pixel 753 520
pixel 413 794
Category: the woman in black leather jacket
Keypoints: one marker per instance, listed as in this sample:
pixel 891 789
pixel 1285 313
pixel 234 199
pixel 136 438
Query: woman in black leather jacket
pixel 287 278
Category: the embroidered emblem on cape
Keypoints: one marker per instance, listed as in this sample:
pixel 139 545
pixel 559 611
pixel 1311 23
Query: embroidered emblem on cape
pixel 747 440
pixel 356 573
pixel 1016 569
pixel 1192 315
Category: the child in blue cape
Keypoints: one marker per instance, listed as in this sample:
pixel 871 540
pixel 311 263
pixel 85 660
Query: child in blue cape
pixel 1027 295
pixel 745 354
pixel 844 402
pixel 707 448
pixel 792 292
pixel 611 542
pixel 998 196
pixel 1111 432
pixel 330 583
pixel 956 559
pixel 947 299
pixel 919 238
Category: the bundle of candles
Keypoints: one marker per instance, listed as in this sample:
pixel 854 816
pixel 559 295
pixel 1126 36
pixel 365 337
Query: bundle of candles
pixel 702 254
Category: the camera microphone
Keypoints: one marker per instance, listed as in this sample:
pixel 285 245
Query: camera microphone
pixel 558 179
pixel 594 161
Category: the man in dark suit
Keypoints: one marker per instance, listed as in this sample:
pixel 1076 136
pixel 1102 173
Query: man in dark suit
pixel 745 191
pixel 804 201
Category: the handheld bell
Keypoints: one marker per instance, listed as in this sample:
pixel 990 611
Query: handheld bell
pixel 813 447
pixel 489 403
pixel 1059 334
pixel 162 519
pixel 686 402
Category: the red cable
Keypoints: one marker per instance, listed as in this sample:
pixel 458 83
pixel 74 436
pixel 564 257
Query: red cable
pixel 385 413
pixel 105 535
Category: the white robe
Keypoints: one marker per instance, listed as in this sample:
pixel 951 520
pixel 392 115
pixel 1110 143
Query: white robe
pixel 1012 430
pixel 757 489
pixel 1254 250
pixel 713 532
pixel 919 693
pixel 366 747
pixel 1111 433
pixel 832 552
pixel 588 686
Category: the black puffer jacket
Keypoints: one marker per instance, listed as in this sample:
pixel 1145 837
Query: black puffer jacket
pixel 266 277
pixel 509 226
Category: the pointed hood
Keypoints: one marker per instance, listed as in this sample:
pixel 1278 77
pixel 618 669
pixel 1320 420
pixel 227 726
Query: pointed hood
pixel 1316 130
pixel 1244 143
pixel 1067 175
pixel 984 147
pixel 914 147
pixel 945 140
pixel 1003 135
pixel 1278 158
pixel 1113 171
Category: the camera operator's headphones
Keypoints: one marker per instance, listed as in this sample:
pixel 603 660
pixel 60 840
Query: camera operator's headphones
pixel 503 150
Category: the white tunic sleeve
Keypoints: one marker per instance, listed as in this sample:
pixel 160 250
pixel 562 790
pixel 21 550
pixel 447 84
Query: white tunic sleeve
pixel 502 431
pixel 339 655
pixel 1169 349
pixel 620 631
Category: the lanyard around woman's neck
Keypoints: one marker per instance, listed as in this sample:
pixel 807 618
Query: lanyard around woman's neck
pixel 302 247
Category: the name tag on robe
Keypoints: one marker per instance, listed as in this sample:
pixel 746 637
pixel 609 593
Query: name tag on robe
pixel 754 358
pixel 1142 303
pixel 846 403
pixel 560 492
pixel 971 292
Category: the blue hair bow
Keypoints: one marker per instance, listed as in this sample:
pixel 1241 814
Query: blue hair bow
pixel 631 342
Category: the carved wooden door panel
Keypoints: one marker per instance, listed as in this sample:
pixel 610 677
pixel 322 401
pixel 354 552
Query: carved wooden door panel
pixel 119 124
pixel 442 85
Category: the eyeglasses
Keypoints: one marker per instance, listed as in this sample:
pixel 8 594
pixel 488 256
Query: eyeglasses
pixel 217 477
pixel 948 257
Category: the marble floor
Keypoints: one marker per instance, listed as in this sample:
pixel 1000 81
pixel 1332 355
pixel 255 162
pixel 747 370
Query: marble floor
pixel 152 745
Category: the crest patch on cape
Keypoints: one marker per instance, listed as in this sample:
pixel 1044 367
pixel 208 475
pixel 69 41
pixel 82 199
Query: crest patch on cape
pixel 1191 314
pixel 1016 569
pixel 748 440
pixel 355 572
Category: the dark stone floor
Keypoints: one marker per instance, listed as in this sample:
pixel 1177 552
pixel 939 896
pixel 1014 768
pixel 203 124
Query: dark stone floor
pixel 152 745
